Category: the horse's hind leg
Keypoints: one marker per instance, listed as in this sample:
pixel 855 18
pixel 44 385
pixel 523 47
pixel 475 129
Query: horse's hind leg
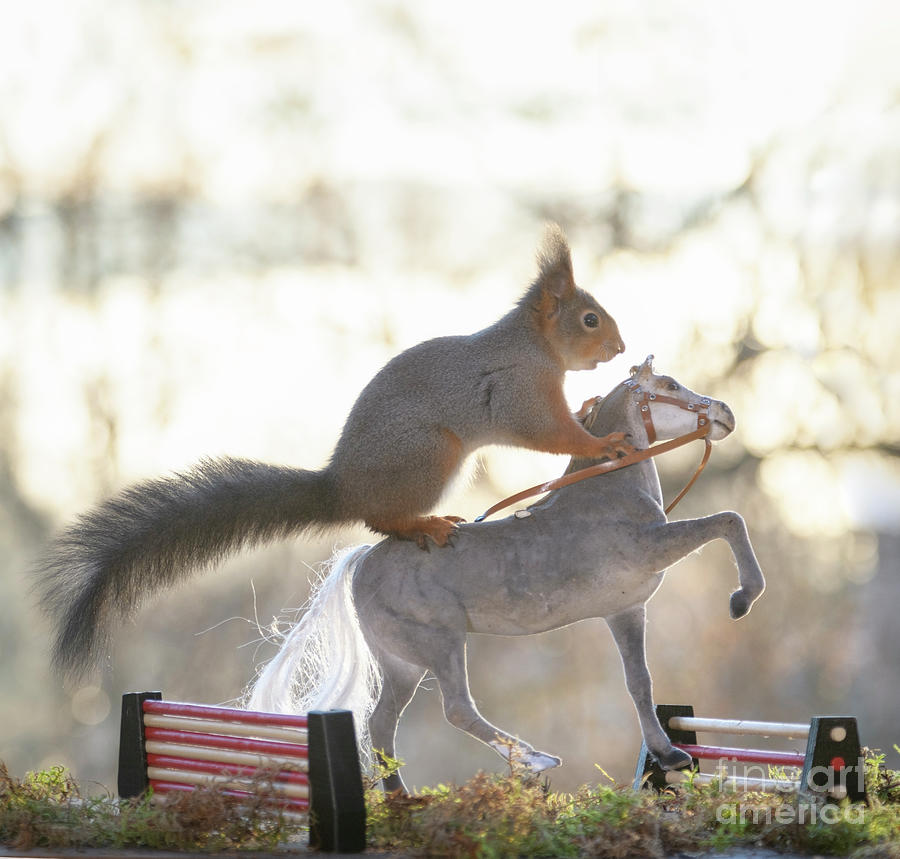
pixel 461 712
pixel 628 629
pixel 399 683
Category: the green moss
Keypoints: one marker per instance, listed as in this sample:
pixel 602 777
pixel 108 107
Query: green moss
pixel 46 809
pixel 514 814
pixel 518 815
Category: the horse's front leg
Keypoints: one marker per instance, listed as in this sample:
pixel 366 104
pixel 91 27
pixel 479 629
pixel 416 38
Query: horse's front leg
pixel 628 629
pixel 669 542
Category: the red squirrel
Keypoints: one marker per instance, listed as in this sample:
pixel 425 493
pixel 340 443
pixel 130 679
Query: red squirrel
pixel 435 403
pixel 412 426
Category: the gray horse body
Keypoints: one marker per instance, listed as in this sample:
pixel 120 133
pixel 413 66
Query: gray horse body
pixel 597 548
pixel 587 547
pixel 501 577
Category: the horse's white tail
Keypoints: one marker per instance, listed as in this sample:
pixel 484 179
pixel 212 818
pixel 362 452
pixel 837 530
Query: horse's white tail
pixel 324 662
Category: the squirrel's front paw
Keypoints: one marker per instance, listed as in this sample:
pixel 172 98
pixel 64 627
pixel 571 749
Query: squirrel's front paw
pixel 586 406
pixel 615 445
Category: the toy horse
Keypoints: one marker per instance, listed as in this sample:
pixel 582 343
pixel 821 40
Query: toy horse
pixel 388 614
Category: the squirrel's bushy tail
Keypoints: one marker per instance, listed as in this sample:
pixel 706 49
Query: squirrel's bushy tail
pixel 154 534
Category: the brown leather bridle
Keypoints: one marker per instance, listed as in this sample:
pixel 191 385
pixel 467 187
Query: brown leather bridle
pixel 704 425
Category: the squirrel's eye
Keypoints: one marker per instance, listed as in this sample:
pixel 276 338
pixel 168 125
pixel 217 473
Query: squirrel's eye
pixel 591 320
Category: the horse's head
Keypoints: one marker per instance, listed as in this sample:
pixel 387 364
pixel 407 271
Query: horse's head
pixel 673 408
pixel 662 407
pixel 645 407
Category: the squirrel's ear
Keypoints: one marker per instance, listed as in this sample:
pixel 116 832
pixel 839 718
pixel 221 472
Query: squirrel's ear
pixel 555 275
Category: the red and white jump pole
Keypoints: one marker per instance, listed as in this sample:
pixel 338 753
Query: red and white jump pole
pixel 831 765
pixel 310 763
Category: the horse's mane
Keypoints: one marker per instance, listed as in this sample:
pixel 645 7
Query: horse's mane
pixel 610 405
pixel 601 419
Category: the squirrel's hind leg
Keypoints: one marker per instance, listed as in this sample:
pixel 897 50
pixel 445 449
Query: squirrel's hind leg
pixel 419 529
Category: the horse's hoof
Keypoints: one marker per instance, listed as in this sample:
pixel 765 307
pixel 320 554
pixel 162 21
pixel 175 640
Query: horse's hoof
pixel 539 761
pixel 674 759
pixel 394 784
pixel 740 604
pixel 525 756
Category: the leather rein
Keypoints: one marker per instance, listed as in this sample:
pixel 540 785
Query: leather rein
pixel 704 426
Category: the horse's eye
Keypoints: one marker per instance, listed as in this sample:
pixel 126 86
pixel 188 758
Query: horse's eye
pixel 674 386
pixel 591 320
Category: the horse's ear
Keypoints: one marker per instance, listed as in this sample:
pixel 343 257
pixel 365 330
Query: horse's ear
pixel 644 371
pixel 591 415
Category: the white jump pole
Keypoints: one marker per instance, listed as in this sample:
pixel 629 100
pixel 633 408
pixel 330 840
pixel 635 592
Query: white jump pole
pixel 789 730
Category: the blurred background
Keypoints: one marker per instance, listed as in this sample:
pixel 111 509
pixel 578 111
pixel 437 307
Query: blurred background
pixel 217 221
